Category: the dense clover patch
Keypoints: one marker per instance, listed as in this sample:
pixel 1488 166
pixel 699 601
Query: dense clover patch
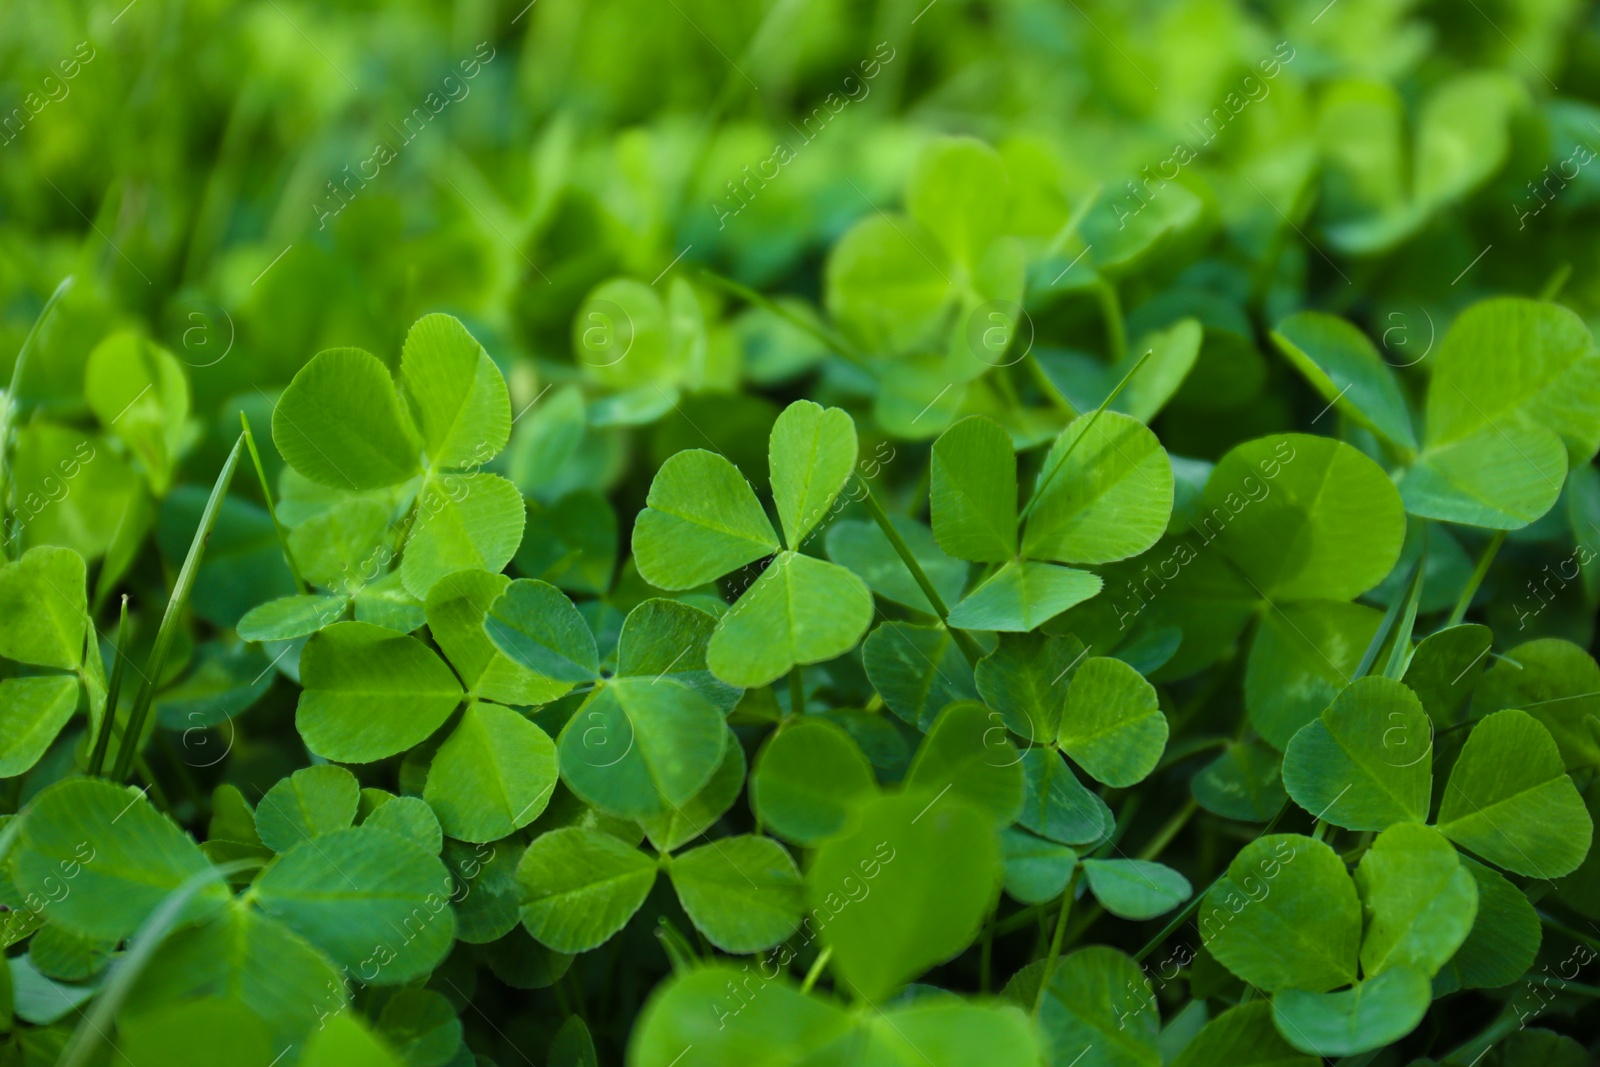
pixel 969 607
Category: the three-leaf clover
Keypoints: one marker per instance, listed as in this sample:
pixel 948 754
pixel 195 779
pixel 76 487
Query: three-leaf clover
pixel 702 521
pixel 1104 493
pixel 343 425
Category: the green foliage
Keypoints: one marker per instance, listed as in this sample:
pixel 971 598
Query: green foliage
pixel 896 535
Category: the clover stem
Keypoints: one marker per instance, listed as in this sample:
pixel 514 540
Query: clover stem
pixel 828 337
pixel 797 692
pixel 8 403
pixel 1055 939
pixel 157 794
pixel 1111 308
pixel 679 952
pixel 1508 1023
pixel 964 641
pixel 1046 478
pixel 1047 387
pixel 1174 825
pixel 1567 931
pixel 986 957
pixel 169 620
pixel 1556 282
pixel 815 970
pixel 266 493
pixel 102 741
pixel 1478 574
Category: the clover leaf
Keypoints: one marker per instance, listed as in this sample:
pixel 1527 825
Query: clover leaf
pixel 782 1021
pixel 371 693
pixel 1510 800
pixel 1370 1015
pixel 492 775
pixel 1097 1001
pixel 702 520
pixel 119 855
pixel 1285 890
pixel 1418 898
pixel 808 777
pixel 1112 724
pixel 370 900
pixel 340 423
pixel 1364 764
pixel 311 802
pixel 905 886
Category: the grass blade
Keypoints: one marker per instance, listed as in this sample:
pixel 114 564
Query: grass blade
pixel 1385 628
pixel 964 641
pixel 102 743
pixel 169 621
pixel 1400 650
pixel 17 370
pixel 266 493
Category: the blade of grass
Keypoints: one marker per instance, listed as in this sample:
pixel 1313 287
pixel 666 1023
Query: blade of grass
pixel 169 621
pixel 1400 649
pixel 964 641
pixel 1386 627
pixel 131 964
pixel 9 403
pixel 97 760
pixel 266 493
pixel 1046 478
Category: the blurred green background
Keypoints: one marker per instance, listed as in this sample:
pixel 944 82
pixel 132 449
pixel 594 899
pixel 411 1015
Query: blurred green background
pixel 184 169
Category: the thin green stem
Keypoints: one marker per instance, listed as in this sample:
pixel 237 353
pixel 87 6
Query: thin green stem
pixel 1508 1023
pixel 102 741
pixel 815 971
pixel 1567 931
pixel 1400 650
pixel 1111 308
pixel 789 315
pixel 169 621
pixel 1163 837
pixel 679 952
pixel 1079 213
pixel 1556 282
pixel 964 641
pixel 1048 387
pixel 1386 626
pixel 1056 938
pixel 9 403
pixel 1046 478
pixel 985 963
pixel 1478 574
pixel 797 692
pixel 266 493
